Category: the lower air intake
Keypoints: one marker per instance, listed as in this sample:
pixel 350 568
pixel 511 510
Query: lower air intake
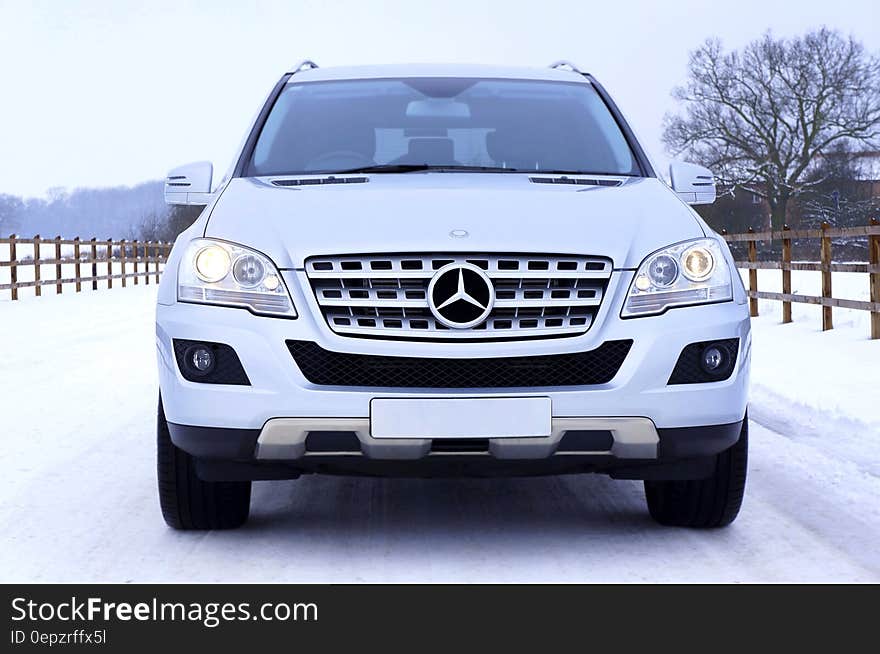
pixel 327 368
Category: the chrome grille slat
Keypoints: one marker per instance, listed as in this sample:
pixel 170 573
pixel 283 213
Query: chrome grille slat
pixel 423 304
pixel 502 304
pixel 432 330
pixel 427 274
pixel 385 296
pixel 414 304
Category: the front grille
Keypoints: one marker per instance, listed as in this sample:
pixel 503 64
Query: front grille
pixel 386 296
pixel 327 368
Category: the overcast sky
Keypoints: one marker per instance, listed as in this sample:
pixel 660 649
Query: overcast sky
pixel 100 93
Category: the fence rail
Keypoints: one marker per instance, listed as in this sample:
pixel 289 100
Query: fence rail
pixel 826 266
pixel 115 260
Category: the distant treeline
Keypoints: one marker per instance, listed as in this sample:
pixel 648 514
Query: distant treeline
pixel 118 212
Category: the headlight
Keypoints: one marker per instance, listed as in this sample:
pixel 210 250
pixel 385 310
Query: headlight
pixel 699 263
pixel 212 263
pixel 216 272
pixel 694 272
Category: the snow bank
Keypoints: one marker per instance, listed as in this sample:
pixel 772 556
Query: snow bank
pixel 821 386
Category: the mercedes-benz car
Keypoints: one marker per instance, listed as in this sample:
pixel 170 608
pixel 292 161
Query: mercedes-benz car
pixel 448 270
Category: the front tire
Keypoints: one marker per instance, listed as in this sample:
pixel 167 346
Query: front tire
pixel 188 502
pixel 704 503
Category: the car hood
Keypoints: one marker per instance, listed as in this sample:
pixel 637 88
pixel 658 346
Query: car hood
pixel 418 212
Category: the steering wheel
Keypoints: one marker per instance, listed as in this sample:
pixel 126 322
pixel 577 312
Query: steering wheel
pixel 339 159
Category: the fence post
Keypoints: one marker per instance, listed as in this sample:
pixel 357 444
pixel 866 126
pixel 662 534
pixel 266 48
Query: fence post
pixel 109 263
pixel 58 275
pixel 13 268
pixel 874 258
pixel 122 260
pixel 786 273
pixel 753 276
pixel 94 245
pixel 76 267
pixel 158 258
pixel 134 251
pixel 147 262
pixel 38 289
pixel 827 322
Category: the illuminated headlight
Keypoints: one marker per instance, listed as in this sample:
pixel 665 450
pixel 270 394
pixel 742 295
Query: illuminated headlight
pixel 221 273
pixel 693 272
pixel 699 263
pixel 211 263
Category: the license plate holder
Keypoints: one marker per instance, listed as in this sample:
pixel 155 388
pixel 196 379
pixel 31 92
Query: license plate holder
pixel 495 417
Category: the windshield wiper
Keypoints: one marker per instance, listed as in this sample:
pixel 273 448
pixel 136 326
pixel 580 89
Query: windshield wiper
pixel 381 168
pixel 579 172
pixel 414 168
pixel 451 168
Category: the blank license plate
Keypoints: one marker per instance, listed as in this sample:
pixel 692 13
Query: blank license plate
pixel 496 417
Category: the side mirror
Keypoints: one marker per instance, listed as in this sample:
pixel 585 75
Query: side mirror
pixel 189 184
pixel 694 184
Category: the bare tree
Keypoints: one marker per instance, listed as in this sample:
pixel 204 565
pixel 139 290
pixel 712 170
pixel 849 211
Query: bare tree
pixel 760 118
pixel 167 225
pixel 839 193
pixel 11 208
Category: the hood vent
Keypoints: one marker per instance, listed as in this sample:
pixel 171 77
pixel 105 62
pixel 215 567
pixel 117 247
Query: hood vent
pixel 320 181
pixel 580 181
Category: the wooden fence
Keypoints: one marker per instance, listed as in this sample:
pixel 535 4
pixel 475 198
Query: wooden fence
pixel 116 260
pixel 826 266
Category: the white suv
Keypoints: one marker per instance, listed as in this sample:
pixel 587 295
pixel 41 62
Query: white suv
pixel 448 270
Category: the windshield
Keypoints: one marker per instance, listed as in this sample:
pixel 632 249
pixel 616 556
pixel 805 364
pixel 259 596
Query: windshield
pixel 395 125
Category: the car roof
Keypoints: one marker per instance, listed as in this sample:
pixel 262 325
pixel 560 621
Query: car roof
pixel 437 70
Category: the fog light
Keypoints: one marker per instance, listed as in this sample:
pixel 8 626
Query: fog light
pixel 713 359
pixel 200 359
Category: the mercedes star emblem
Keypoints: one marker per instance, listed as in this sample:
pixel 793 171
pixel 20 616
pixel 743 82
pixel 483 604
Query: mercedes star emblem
pixel 461 295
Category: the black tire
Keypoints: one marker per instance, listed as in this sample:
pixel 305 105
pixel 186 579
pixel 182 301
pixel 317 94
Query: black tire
pixel 188 502
pixel 704 503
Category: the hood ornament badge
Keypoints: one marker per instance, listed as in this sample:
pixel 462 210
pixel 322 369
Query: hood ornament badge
pixel 460 295
pixel 459 233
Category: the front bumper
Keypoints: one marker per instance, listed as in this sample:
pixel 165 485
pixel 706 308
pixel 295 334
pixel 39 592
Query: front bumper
pixel 280 394
pixel 284 439
pixel 281 451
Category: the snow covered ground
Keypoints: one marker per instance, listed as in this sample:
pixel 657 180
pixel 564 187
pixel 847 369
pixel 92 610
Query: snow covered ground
pixel 78 498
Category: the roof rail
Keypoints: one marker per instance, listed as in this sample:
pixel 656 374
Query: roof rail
pixel 305 64
pixel 562 63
